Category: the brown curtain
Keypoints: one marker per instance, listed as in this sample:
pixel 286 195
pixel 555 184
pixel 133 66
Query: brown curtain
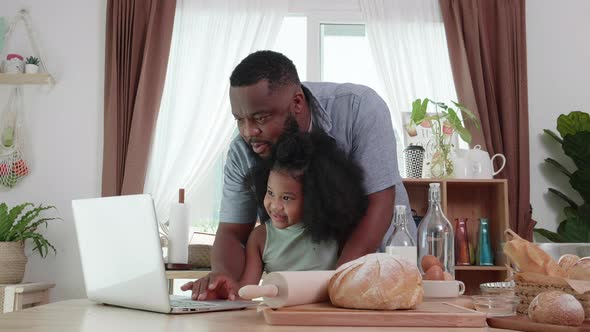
pixel 487 47
pixel 138 35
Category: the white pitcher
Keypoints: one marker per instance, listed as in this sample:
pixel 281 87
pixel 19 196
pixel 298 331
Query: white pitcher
pixel 462 165
pixel 482 165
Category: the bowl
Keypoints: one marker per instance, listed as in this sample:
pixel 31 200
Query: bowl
pixel 496 306
pixel 505 288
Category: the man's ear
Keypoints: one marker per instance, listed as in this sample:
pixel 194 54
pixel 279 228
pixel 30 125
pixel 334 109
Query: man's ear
pixel 299 102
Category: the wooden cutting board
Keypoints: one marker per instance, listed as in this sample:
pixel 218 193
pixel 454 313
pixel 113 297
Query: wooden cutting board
pixel 428 314
pixel 523 323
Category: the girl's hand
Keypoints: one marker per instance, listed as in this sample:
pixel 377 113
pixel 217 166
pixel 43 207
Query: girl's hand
pixel 214 286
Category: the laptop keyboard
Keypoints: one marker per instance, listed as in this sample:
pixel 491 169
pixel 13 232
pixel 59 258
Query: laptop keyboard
pixel 187 303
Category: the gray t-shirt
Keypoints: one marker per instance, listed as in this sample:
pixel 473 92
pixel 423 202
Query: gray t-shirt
pixel 360 122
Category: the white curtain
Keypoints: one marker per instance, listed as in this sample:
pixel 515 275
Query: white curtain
pixel 409 46
pixel 195 124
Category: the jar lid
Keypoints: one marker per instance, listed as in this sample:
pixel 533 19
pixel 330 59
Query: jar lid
pixel 415 147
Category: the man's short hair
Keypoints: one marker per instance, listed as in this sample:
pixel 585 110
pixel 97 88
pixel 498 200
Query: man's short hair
pixel 272 66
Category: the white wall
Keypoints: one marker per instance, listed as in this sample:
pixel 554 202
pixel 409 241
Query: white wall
pixel 559 80
pixel 65 127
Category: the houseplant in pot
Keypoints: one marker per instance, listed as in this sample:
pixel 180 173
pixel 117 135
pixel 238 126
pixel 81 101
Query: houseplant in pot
pixel 31 65
pixel 574 138
pixel 444 122
pixel 17 225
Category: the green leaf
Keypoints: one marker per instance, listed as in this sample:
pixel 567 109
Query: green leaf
pixel 564 197
pixel 418 110
pixel 458 126
pixel 468 113
pixel 575 230
pixel 577 147
pixel 553 135
pixel 573 123
pixel 551 236
pixel 5 222
pixel 580 181
pixel 559 167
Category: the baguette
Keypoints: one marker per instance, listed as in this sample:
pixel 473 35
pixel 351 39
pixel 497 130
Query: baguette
pixel 530 258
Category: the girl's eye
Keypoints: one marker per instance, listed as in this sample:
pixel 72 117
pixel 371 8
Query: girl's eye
pixel 286 198
pixel 269 193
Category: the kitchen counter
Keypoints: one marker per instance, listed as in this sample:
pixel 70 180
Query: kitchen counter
pixel 87 316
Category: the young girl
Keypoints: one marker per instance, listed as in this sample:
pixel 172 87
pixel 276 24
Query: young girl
pixel 314 199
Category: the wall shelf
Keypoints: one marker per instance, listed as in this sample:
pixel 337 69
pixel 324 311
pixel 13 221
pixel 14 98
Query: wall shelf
pixel 480 268
pixel 18 79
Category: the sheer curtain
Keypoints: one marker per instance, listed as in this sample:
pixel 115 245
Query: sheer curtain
pixel 408 43
pixel 195 123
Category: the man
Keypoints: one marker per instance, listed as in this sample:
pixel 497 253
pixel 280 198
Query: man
pixel 265 94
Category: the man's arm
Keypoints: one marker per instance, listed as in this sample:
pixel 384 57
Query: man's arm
pixel 228 255
pixel 367 236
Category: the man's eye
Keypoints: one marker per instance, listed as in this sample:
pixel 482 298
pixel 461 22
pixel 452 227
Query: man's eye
pixel 261 118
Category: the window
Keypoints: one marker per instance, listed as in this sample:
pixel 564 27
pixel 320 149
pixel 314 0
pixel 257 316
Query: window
pixel 326 44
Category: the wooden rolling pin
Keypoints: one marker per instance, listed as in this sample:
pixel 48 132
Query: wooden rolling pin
pixel 289 288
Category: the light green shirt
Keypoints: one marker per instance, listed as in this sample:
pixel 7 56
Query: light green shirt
pixel 289 249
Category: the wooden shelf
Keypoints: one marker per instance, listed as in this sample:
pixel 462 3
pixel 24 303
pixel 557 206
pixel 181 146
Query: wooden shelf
pixel 462 181
pixel 40 79
pixel 479 268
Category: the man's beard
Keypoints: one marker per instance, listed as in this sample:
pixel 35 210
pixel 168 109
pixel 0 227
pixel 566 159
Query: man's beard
pixel 290 127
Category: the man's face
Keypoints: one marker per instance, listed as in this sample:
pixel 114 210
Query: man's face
pixel 261 115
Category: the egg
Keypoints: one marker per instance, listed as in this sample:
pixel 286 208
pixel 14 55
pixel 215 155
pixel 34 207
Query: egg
pixel 448 276
pixel 428 261
pixel 434 273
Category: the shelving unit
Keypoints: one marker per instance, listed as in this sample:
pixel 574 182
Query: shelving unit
pixel 18 79
pixel 472 199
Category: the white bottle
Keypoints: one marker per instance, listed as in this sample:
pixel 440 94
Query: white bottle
pixel 178 232
pixel 401 244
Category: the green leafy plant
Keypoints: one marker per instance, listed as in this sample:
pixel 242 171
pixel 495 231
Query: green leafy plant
pixel 20 223
pixel 574 129
pixel 32 61
pixel 443 122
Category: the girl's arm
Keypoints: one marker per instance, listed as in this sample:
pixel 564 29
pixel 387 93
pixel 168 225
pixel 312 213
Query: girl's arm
pixel 254 249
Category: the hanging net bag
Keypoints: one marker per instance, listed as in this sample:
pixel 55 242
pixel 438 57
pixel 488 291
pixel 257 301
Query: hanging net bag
pixel 13 165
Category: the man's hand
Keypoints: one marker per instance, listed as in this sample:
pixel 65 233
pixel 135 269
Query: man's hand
pixel 213 286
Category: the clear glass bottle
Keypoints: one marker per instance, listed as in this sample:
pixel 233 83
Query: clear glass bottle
pixel 401 243
pixel 435 234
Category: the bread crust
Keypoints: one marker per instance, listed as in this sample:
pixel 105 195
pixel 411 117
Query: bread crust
pixel 377 281
pixel 555 307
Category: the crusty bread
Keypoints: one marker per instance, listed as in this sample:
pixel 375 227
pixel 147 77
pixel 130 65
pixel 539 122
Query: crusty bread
pixel 580 270
pixel 530 258
pixel 377 281
pixel 555 307
pixel 567 261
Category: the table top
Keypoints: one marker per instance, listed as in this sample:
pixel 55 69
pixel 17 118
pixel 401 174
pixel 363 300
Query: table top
pixel 86 316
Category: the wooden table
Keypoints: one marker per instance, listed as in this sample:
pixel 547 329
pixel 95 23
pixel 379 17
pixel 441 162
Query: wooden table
pixel 21 296
pixel 86 316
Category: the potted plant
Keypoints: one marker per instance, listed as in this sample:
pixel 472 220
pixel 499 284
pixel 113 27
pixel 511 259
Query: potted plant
pixel 574 137
pixel 18 224
pixel 32 65
pixel 443 123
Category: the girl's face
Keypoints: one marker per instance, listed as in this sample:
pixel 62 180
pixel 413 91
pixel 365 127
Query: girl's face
pixel 283 200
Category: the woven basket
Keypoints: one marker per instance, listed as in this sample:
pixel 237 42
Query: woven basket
pixel 199 255
pixel 12 262
pixel 527 291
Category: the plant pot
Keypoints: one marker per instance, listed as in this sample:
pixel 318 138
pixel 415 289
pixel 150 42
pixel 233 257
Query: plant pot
pixel 31 69
pixel 12 262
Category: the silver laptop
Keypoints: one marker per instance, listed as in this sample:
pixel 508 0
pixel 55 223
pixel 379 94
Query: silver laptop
pixel 122 258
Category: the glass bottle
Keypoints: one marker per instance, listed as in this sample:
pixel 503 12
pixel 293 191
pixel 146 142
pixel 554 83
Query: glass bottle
pixel 435 234
pixel 401 243
pixel 461 242
pixel 485 256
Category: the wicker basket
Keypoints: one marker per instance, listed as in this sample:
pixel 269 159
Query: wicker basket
pixel 199 255
pixel 527 291
pixel 12 262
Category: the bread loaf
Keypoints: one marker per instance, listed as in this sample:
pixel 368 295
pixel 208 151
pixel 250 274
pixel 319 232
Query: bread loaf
pixel 555 307
pixel 377 281
pixel 580 270
pixel 567 261
pixel 529 257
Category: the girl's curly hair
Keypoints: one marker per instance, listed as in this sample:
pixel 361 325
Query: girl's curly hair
pixel 334 200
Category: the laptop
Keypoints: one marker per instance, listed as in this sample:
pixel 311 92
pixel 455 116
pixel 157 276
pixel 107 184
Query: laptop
pixel 122 259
